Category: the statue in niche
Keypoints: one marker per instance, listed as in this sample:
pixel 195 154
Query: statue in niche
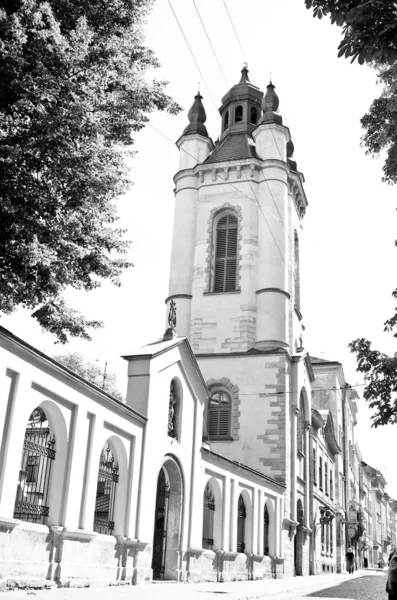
pixel 171 411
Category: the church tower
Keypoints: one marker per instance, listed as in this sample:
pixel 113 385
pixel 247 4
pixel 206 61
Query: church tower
pixel 235 280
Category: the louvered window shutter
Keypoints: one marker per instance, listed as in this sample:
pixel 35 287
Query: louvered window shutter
pixel 226 254
pixel 219 415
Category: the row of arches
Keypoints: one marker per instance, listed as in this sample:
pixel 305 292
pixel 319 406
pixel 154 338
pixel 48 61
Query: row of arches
pixel 42 469
pixel 168 520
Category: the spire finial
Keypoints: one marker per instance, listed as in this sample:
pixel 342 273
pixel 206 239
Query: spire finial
pixel 197 117
pixel 244 74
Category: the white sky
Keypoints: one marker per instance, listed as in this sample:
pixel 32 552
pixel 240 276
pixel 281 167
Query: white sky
pixel 348 257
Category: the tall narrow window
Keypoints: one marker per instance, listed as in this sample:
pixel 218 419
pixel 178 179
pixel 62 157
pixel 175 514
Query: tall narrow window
pixel 331 537
pixel 38 454
pixel 320 472
pixel 226 120
pixel 266 523
pixel 219 407
pixel 226 254
pixel 314 466
pixel 208 518
pixel 296 271
pixel 241 517
pixel 238 114
pixel 253 115
pixel 322 538
pixel 108 477
pixel 331 485
pixel 326 477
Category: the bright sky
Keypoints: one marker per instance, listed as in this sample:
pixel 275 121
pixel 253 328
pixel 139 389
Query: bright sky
pixel 348 257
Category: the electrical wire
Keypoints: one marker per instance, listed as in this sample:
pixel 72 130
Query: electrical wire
pixel 209 41
pixel 191 52
pixel 235 33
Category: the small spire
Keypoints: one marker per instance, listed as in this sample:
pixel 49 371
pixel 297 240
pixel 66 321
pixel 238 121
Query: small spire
pixel 270 104
pixel 244 74
pixel 197 117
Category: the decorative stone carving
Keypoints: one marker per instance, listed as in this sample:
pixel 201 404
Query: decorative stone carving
pixel 171 411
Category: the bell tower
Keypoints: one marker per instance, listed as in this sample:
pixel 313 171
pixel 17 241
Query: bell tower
pixel 239 206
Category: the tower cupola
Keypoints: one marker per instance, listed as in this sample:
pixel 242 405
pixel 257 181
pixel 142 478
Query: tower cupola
pixel 197 117
pixel 241 106
pixel 270 105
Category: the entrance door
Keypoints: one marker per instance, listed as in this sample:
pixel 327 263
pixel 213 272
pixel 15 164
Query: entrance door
pixel 160 527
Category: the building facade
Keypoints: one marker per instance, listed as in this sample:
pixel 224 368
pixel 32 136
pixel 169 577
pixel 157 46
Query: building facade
pixel 233 456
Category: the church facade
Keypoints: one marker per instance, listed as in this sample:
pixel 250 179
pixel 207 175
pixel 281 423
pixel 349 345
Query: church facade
pixel 227 459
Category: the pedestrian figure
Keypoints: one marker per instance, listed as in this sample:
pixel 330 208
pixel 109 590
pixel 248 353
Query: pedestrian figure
pixel 391 585
pixel 350 561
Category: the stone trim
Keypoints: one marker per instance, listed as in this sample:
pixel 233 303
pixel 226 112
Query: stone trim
pixel 186 296
pixel 210 258
pixel 278 290
pixel 225 384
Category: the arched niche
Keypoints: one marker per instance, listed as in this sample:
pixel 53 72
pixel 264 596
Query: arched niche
pixel 175 408
pixel 169 517
pixel 50 471
pixel 247 499
pixel 213 483
pixel 271 537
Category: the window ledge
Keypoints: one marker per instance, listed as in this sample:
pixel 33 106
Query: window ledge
pixel 221 293
pixel 228 438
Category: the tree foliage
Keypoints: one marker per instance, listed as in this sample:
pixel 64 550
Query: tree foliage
pixel 380 375
pixel 369 27
pixel 91 371
pixel 73 91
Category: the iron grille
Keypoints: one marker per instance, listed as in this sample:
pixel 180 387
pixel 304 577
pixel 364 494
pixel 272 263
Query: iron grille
pixel 108 477
pixel 31 502
pixel 266 532
pixel 208 518
pixel 160 527
pixel 242 514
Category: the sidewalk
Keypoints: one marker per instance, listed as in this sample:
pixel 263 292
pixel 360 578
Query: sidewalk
pixel 282 589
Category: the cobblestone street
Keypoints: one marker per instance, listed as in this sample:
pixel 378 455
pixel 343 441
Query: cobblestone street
pixel 360 586
pixel 371 587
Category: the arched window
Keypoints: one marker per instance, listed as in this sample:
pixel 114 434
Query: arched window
pixel 226 120
pixel 253 115
pixel 38 454
pixel 241 517
pixel 266 523
pixel 238 114
pixel 219 409
pixel 208 518
pixel 296 270
pixel 225 268
pixel 108 477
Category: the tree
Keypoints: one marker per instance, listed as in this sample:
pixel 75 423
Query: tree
pixel 369 27
pixel 90 371
pixel 73 91
pixel 380 375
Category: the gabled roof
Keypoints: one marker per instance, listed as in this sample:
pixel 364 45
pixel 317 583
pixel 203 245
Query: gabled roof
pixel 234 146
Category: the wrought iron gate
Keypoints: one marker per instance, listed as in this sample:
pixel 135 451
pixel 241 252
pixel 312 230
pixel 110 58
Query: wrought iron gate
pixel 241 516
pixel 31 503
pixel 108 477
pixel 208 518
pixel 160 527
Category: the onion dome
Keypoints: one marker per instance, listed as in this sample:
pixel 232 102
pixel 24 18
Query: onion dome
pixel 197 118
pixel 270 104
pixel 290 156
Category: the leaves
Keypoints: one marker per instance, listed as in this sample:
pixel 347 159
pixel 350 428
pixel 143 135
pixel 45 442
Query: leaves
pixel 380 375
pixel 369 28
pixel 73 92
pixel 92 371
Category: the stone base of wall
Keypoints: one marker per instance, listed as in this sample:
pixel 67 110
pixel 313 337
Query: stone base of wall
pixel 34 555
pixel 261 567
pixel 202 565
pixel 234 567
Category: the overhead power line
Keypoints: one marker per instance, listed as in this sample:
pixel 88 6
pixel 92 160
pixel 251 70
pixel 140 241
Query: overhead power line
pixel 209 41
pixel 191 52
